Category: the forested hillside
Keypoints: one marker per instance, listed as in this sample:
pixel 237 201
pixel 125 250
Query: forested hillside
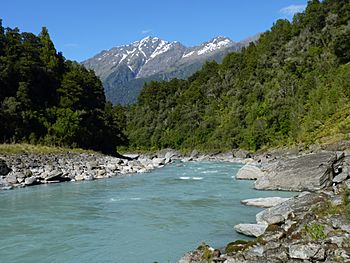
pixel 48 100
pixel 285 88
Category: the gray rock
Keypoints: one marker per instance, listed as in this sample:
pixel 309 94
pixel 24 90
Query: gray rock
pixel 309 172
pixel 88 177
pixel 256 251
pixel 131 155
pixel 30 180
pixel 280 213
pixel 79 177
pixel 347 183
pixel 55 175
pixel 265 202
pixel 158 162
pixel 92 165
pixel 4 169
pixel 341 177
pixel 242 154
pixel 194 154
pixel 307 251
pixel 11 178
pixel 253 230
pixel 249 172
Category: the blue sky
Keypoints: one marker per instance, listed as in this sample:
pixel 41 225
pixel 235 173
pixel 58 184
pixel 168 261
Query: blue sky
pixel 80 29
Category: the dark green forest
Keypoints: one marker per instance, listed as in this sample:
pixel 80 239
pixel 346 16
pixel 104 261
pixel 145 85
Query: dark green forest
pixel 281 90
pixel 46 99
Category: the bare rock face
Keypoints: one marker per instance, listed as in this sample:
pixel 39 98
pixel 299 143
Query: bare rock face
pixel 310 172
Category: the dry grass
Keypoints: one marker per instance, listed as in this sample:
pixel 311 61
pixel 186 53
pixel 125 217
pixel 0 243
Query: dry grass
pixel 38 149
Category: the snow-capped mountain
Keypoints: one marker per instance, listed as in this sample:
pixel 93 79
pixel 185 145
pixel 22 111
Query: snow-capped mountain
pixel 124 69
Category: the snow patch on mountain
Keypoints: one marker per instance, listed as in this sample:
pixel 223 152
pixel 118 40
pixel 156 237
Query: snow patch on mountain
pixel 188 54
pixel 216 44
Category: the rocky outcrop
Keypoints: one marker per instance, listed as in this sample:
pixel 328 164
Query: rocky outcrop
pixel 265 202
pixel 310 172
pixel 312 227
pixel 308 228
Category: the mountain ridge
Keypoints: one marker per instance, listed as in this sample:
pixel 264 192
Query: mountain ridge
pixel 124 69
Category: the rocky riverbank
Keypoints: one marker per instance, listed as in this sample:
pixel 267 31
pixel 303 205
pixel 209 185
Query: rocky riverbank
pixel 21 170
pixel 27 169
pixel 312 227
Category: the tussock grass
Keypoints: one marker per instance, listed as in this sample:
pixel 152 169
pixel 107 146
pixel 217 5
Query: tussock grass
pixel 335 129
pixel 17 148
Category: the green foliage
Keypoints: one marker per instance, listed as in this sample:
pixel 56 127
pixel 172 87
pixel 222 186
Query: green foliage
pixel 239 245
pixel 315 231
pixel 276 91
pixel 46 99
pixel 207 254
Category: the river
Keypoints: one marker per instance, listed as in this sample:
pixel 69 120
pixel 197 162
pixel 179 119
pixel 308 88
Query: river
pixel 149 217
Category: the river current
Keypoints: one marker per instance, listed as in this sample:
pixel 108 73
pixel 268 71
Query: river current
pixel 156 216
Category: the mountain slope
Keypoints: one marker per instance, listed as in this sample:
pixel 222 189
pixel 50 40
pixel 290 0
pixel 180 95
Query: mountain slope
pixel 124 70
pixel 291 86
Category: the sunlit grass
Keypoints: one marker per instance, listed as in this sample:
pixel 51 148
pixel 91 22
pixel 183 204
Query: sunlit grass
pixel 38 149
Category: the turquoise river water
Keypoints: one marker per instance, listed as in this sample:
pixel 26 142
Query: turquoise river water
pixel 156 216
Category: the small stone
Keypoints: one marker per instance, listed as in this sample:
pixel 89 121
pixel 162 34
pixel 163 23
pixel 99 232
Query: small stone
pixel 88 177
pixel 30 180
pixel 79 177
pixel 254 230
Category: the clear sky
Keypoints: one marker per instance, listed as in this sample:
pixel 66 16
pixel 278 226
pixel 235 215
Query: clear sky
pixel 83 28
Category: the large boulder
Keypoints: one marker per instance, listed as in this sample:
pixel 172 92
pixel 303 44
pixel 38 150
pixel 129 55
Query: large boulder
pixel 253 230
pixel 265 202
pixel 30 180
pixel 308 251
pixel 309 172
pixel 157 162
pixel 4 169
pixel 11 178
pixel 249 172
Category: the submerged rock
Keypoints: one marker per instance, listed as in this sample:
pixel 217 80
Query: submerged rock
pixel 265 202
